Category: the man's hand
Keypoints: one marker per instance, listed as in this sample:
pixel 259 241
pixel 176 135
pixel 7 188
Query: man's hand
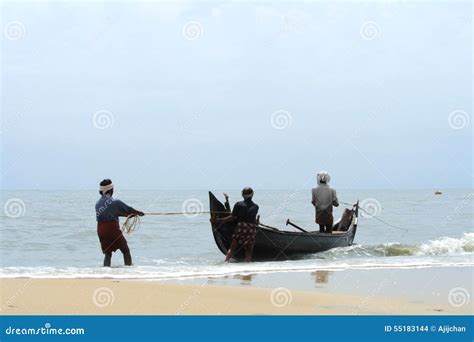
pixel 140 213
pixel 226 196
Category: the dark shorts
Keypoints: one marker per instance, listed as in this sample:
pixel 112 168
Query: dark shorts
pixel 324 217
pixel 245 234
pixel 111 237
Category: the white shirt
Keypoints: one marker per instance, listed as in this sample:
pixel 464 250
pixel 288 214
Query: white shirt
pixel 324 197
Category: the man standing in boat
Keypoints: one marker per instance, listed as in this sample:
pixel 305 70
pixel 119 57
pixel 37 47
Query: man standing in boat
pixel 245 215
pixel 108 210
pixel 324 198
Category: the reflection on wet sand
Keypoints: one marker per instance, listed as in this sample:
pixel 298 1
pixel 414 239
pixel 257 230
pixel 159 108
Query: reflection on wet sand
pixel 245 279
pixel 321 277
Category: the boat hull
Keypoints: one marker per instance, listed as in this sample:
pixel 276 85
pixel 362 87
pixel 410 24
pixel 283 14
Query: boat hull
pixel 273 244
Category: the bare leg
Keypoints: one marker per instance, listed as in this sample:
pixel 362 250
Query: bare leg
pixel 248 253
pixel 127 257
pixel 329 225
pixel 107 259
pixel 231 251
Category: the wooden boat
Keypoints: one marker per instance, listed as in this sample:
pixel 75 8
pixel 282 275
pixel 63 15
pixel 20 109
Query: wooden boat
pixel 274 244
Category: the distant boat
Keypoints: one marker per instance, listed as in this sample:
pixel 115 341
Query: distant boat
pixel 275 244
pixel 437 192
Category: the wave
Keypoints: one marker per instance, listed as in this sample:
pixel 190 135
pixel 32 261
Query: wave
pixel 443 252
pixel 224 270
pixel 448 245
pixel 443 246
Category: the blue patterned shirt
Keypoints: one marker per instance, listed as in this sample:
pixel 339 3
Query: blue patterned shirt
pixel 110 209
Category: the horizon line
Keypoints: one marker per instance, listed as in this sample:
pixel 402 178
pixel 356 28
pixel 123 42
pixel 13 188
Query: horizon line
pixel 239 189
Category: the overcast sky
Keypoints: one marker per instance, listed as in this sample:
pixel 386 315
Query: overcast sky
pixel 212 95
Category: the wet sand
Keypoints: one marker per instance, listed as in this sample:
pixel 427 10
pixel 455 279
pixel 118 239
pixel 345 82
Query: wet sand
pixel 428 285
pixel 130 297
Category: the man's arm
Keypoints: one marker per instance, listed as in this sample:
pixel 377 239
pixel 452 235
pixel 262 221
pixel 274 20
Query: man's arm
pixel 125 210
pixel 226 219
pixel 335 201
pixel 226 203
pixel 313 197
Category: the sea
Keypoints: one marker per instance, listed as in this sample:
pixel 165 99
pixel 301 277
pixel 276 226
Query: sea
pixel 52 234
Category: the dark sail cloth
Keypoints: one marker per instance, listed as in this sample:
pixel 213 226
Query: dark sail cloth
pixel 111 237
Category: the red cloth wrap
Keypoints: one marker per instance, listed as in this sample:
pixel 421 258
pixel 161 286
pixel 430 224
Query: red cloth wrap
pixel 111 237
pixel 245 233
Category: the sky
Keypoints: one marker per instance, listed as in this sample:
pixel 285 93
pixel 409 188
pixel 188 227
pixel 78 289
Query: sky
pixel 222 95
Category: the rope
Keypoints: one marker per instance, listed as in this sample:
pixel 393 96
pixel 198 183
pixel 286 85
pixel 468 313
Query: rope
pixel 186 213
pixel 132 222
pixel 345 203
pixel 378 219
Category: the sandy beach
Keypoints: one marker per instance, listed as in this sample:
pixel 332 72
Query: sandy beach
pixel 130 297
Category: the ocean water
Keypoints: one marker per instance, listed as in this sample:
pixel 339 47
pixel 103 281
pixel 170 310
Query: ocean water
pixel 53 234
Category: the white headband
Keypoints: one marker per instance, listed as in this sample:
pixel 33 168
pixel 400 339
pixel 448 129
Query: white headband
pixel 323 176
pixel 105 188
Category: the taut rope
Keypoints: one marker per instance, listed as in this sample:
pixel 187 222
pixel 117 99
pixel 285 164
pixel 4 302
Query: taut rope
pixel 377 218
pixel 132 222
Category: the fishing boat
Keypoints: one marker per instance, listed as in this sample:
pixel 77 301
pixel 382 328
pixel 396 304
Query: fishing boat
pixel 275 244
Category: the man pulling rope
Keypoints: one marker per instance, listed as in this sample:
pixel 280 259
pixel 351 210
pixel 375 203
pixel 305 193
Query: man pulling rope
pixel 108 210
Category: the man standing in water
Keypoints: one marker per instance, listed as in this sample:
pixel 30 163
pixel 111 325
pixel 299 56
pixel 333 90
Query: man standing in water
pixel 245 215
pixel 108 211
pixel 324 198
